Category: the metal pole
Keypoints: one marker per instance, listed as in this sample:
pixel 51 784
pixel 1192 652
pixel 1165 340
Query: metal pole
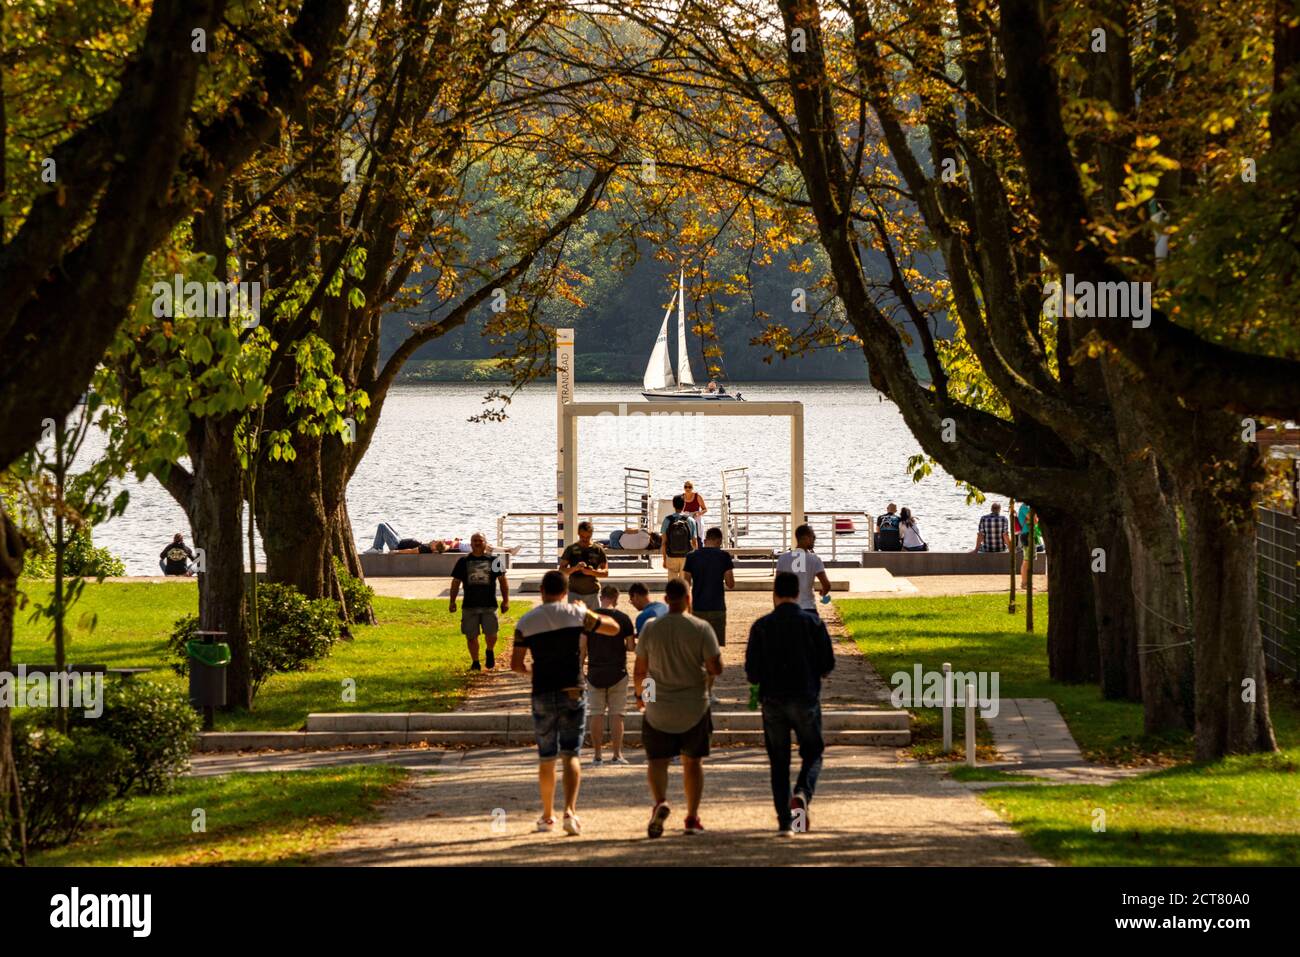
pixel 970 724
pixel 947 708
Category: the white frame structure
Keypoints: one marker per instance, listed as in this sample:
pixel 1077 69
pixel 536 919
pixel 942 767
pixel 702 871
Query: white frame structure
pixel 571 412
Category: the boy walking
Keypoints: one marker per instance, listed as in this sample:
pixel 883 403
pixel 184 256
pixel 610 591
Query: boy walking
pixel 607 677
pixel 676 653
pixel 788 655
pixel 553 633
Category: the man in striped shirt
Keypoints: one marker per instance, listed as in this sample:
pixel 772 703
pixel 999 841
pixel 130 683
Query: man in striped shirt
pixel 994 534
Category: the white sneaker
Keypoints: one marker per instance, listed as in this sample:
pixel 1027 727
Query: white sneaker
pixel 620 760
pixel 572 825
pixel 545 824
pixel 597 762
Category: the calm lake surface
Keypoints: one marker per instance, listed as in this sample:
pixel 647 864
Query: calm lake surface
pixel 433 473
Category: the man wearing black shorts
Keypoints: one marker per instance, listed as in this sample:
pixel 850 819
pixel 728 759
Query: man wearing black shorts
pixel 675 654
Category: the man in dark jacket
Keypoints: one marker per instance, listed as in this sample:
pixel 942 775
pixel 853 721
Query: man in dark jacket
pixel 175 558
pixel 788 655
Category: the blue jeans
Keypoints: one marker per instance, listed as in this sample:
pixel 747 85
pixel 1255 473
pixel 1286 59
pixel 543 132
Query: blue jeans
pixel 385 538
pixel 560 722
pixel 803 716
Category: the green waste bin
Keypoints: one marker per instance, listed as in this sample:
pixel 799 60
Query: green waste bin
pixel 208 661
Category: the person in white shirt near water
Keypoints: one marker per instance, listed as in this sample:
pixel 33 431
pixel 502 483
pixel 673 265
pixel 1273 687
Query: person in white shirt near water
pixel 912 540
pixel 806 565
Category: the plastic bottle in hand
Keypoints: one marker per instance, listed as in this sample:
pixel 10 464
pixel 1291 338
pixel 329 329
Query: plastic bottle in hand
pixel 753 697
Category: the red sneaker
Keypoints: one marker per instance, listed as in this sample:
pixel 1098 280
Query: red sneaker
pixel 693 825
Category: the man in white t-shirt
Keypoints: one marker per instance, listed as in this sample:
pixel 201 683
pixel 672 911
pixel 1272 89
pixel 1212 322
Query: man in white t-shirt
pixel 802 562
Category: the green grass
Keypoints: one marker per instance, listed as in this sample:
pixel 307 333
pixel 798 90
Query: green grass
pixel 963 773
pixel 251 818
pixel 413 660
pixel 1241 810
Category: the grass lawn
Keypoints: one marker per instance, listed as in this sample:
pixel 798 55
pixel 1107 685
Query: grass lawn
pixel 414 660
pixel 1242 810
pixel 251 818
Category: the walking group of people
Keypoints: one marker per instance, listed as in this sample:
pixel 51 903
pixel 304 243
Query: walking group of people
pixel 575 645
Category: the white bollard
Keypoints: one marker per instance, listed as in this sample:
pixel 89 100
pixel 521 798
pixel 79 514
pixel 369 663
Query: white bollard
pixel 947 708
pixel 970 724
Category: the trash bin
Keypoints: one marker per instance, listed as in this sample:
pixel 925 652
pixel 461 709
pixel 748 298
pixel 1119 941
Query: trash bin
pixel 208 661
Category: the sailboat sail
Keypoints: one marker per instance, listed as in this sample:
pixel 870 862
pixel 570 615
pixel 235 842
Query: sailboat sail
pixel 684 374
pixel 659 371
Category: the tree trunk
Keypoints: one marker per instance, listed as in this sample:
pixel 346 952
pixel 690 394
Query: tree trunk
pixel 1231 686
pixel 1072 654
pixel 11 566
pixel 293 521
pixel 1116 607
pixel 212 497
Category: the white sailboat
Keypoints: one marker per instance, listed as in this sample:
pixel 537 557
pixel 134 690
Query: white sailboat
pixel 658 380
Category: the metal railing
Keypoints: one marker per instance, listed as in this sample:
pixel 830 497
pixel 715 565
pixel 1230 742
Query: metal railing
pixel 534 533
pixel 1279 579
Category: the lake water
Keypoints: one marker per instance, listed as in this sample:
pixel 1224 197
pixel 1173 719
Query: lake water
pixel 433 473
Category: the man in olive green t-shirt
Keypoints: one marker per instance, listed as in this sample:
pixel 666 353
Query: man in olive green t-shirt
pixel 675 654
pixel 585 563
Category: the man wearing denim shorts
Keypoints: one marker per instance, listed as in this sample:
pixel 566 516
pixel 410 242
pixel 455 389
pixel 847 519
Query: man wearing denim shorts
pixel 675 654
pixel 553 633
pixel 480 573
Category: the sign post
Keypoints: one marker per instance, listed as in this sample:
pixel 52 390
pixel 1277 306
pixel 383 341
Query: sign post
pixel 563 396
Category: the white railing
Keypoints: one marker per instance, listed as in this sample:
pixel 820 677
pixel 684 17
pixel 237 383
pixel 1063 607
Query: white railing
pixel 536 536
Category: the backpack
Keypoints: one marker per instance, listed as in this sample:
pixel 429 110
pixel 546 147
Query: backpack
pixel 678 542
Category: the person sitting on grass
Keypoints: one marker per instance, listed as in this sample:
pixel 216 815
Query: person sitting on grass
pixel 176 557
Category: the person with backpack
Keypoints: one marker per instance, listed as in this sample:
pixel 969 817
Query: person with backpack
pixel 680 537
pixel 888 537
pixel 1022 534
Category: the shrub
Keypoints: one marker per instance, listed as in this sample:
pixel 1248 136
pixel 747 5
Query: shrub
pixel 81 559
pixel 356 593
pixel 64 777
pixel 295 631
pixel 156 726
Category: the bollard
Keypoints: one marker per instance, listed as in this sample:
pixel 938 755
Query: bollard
pixel 948 707
pixel 970 724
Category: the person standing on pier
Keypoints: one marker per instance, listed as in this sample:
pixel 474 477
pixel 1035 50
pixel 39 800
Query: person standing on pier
pixel 586 564
pixel 788 654
pixel 679 537
pixel 693 505
pixel 801 561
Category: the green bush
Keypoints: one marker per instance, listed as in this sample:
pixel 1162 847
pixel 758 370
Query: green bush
pixel 295 631
pixel 80 559
pixel 64 777
pixel 356 593
pixel 156 726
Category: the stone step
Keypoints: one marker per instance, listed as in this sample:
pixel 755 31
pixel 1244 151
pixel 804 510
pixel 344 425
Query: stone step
pixel 515 721
pixel 520 737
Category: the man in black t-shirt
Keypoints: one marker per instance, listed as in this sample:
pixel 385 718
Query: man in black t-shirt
pixel 607 676
pixel 175 558
pixel 586 564
pixel 480 573
pixel 554 634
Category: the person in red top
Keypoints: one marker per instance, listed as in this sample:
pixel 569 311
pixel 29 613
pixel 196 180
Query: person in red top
pixel 694 506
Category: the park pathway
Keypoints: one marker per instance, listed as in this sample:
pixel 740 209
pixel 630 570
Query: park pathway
pixel 873 807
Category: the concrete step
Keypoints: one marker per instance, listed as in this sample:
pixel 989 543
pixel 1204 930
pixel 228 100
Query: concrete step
pixel 515 721
pixel 320 740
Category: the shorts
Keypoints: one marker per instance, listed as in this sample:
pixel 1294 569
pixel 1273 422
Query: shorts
pixel 591 598
pixel 718 621
pixel 472 619
pixel 559 721
pixel 612 699
pixel 675 566
pixel 693 742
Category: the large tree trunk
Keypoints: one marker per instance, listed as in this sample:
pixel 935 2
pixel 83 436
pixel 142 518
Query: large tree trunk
pixel 1116 607
pixel 11 566
pixel 1231 685
pixel 1072 654
pixel 213 500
